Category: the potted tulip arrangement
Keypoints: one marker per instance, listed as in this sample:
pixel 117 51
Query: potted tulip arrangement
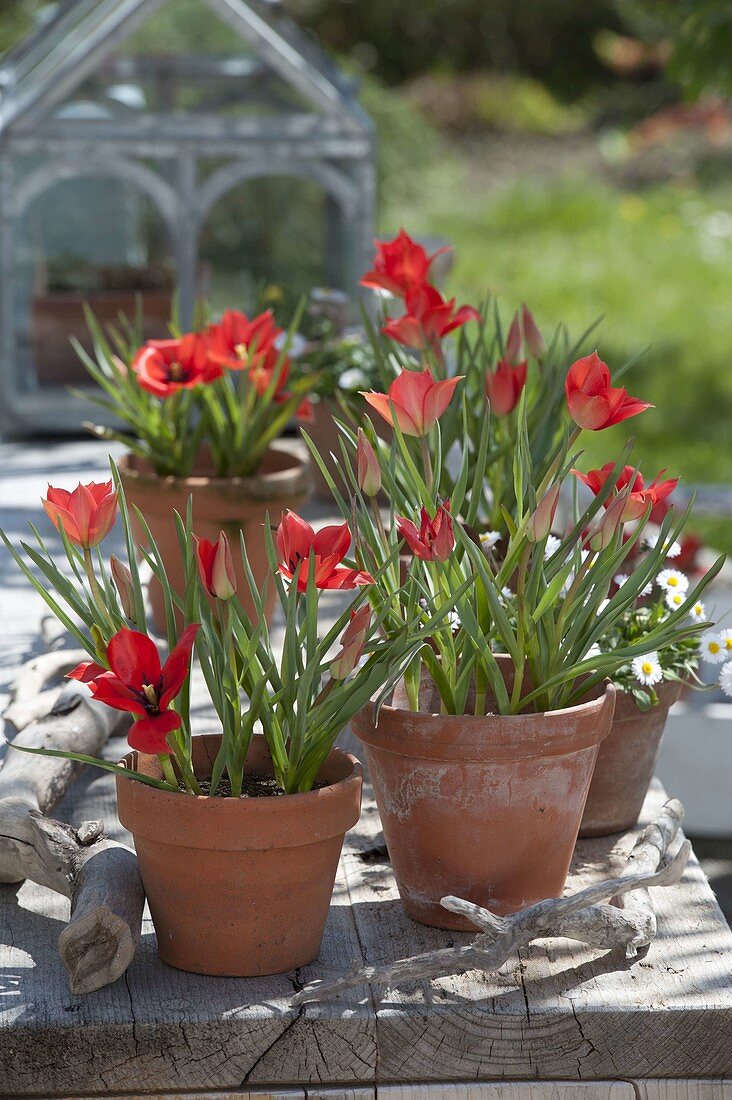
pixel 493 734
pixel 238 833
pixel 650 684
pixel 202 414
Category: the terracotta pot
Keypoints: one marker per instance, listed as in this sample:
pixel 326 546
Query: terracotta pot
pixel 55 318
pixel 626 763
pixel 239 886
pixel 485 808
pixel 219 504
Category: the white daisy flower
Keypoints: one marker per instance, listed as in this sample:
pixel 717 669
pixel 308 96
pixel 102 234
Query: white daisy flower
pixel 650 542
pixel 552 545
pixel 672 580
pixel 490 538
pixel 601 606
pixel 646 591
pixel 454 620
pixel 725 637
pixel 674 600
pixel 650 536
pixel 620 579
pixel 506 594
pixel 712 649
pixel 725 678
pixel 698 613
pixel 647 669
pixel 593 651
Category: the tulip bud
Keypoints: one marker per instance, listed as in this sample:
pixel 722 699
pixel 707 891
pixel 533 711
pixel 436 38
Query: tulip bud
pixel 605 531
pixel 123 584
pixel 514 343
pixel 216 567
pixel 353 641
pixel 540 523
pixel 534 339
pixel 369 471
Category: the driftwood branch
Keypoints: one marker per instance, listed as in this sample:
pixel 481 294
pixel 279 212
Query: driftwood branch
pixel 630 922
pixel 28 699
pixel 99 876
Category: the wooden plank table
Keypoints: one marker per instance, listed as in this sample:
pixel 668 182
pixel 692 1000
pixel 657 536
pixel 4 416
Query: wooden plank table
pixel 560 1012
pixel 558 1023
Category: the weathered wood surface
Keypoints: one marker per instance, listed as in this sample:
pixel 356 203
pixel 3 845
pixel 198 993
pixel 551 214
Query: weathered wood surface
pixel 559 1012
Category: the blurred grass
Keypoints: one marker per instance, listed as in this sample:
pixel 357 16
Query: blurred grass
pixel 656 264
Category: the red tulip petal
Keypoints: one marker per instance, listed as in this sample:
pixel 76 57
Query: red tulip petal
pixel 103 519
pixel 86 672
pixel 591 413
pixel 294 538
pixel 133 658
pixel 149 735
pixel 205 554
pixel 438 398
pixel 347 578
pixel 58 497
pixel 177 665
pixel 108 689
pixel 332 540
pixel 60 517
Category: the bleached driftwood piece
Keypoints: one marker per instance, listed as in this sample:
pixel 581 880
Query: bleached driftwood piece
pixel 28 699
pixel 99 876
pixel 630 923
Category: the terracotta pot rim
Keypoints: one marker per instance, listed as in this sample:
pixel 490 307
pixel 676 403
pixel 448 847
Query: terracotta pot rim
pixel 490 737
pixel 627 709
pixel 175 818
pixel 291 479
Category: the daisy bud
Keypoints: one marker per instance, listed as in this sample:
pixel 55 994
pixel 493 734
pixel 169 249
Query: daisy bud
pixel 532 336
pixel 369 471
pixel 123 583
pixel 540 523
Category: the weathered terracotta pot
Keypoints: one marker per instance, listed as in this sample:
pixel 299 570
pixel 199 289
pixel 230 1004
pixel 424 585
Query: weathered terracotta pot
pixel 239 886
pixel 626 763
pixel 485 808
pixel 219 504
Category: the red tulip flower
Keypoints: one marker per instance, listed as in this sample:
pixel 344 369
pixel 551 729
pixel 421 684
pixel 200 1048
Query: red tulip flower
pixel 414 400
pixel 163 367
pixel 137 683
pixel 429 318
pixel 352 643
pixel 593 402
pixel 641 495
pixel 504 386
pixel 299 545
pixel 240 344
pixel 237 342
pixel 87 514
pixel 433 540
pixel 400 265
pixel 216 567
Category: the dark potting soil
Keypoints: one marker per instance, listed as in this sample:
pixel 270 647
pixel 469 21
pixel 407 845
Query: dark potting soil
pixel 254 786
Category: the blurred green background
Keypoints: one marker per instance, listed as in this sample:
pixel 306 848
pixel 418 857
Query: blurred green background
pixel 578 155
